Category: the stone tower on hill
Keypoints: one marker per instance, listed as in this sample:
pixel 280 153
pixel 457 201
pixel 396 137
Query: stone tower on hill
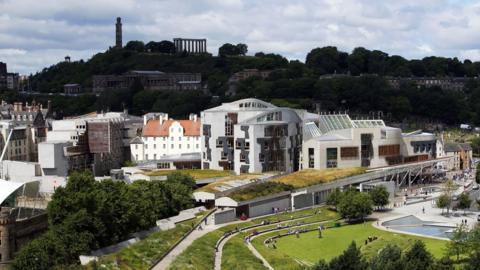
pixel 118 33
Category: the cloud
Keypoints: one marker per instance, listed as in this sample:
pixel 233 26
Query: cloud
pixel 35 34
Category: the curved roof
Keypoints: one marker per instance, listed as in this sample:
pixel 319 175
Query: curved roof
pixel 246 104
pixel 7 188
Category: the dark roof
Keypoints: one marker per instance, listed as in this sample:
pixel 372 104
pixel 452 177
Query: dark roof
pixel 457 147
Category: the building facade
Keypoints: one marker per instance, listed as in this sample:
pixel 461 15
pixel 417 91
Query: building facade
pixel 190 45
pixel 162 137
pixel 336 141
pixel 461 156
pixel 98 142
pixel 250 136
pixel 72 89
pixel 150 80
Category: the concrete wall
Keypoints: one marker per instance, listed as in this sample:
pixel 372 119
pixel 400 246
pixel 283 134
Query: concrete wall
pixel 224 216
pixel 265 207
pixel 302 201
pixel 52 158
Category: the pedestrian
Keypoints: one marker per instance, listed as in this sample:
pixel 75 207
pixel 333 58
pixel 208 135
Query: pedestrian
pixel 423 209
pixel 297 233
pixel 205 222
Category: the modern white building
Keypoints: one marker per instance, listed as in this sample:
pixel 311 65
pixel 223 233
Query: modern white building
pixel 96 141
pixel 251 136
pixel 163 137
pixel 335 140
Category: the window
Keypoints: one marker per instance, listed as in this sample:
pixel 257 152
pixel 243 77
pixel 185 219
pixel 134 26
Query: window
pixel 188 146
pixel 136 146
pixel 146 146
pixel 311 158
pixel 261 157
pixel 349 153
pixel 179 146
pixel 154 146
pixel 171 146
pixel 247 145
pixel 163 165
pixel 136 157
pixel 171 139
pixel 146 156
pixel 164 146
pixel 230 120
pixel 179 139
pixel 164 138
pixel 331 157
pixel 224 155
pixel 389 150
pixel 219 143
pixel 242 157
pixel 196 146
pixel 154 156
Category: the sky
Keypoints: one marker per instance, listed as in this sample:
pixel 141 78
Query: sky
pixel 38 33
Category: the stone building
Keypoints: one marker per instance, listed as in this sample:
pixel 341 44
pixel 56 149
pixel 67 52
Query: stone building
pixel 118 33
pixel 96 141
pixel 72 89
pixel 150 80
pixel 190 45
pixel 446 83
pixel 243 75
pixel 162 137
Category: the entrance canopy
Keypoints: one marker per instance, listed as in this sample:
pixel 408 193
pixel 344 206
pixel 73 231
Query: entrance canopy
pixel 7 188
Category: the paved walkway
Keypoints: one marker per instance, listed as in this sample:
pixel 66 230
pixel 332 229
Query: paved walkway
pixel 167 260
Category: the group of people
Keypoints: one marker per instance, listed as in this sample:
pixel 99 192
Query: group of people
pixel 370 239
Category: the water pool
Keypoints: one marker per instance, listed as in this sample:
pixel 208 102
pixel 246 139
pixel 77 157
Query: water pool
pixel 412 224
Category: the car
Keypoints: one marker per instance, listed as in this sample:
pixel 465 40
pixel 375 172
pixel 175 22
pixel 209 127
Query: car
pixel 478 218
pixel 476 187
pixel 455 198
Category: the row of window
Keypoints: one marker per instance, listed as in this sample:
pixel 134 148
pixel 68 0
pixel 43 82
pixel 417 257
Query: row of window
pixel 154 139
pixel 172 146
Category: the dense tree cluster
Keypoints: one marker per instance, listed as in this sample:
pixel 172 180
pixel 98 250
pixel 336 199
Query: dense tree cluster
pixel 87 215
pixel 354 205
pixel 291 83
pixel 391 257
pixel 328 60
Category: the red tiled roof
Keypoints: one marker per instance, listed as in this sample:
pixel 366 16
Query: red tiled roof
pixel 154 129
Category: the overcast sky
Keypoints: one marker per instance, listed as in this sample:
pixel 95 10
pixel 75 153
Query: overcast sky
pixel 38 33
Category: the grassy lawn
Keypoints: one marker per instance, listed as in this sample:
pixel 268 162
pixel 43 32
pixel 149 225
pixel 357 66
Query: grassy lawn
pixel 196 174
pixel 200 254
pixel 224 181
pixel 236 254
pixel 309 248
pixel 306 178
pixel 144 253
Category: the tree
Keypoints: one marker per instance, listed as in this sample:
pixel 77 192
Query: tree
pixel 473 261
pixel 464 201
pixel 163 46
pixel 379 195
pixel 444 201
pixel 135 45
pixel 334 197
pixel 230 49
pixel 321 265
pixel 444 263
pixel 355 205
pixel 458 243
pixel 242 49
pixel 389 258
pixel 418 258
pixel 351 259
pixel 477 173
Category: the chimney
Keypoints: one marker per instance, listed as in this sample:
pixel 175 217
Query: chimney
pixel 145 120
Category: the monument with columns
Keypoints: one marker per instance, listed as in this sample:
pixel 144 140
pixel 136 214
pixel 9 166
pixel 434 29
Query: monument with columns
pixel 190 45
